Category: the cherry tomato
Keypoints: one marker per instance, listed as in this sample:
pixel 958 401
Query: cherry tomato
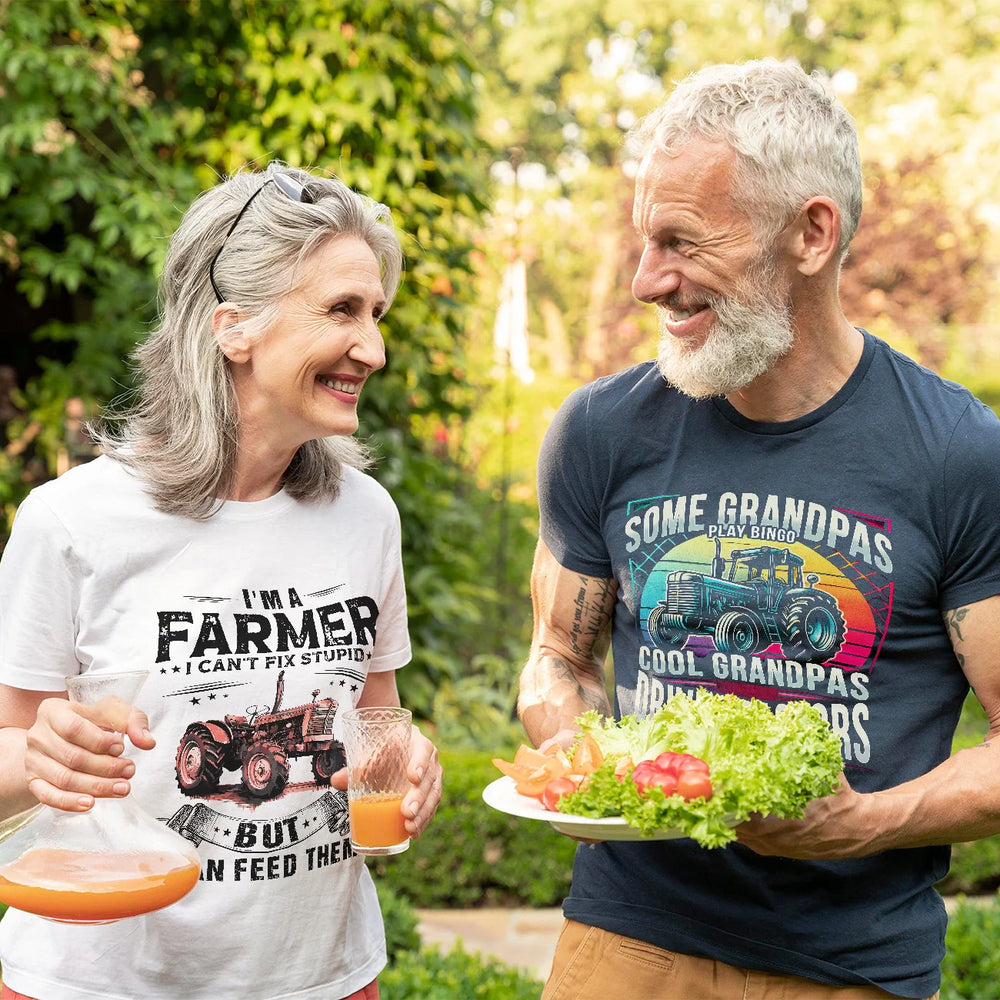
pixel 688 762
pixel 555 790
pixel 665 780
pixel 643 773
pixel 694 784
pixel 668 761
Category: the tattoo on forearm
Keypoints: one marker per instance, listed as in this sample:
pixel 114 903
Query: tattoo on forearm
pixel 590 614
pixel 953 622
pixel 572 686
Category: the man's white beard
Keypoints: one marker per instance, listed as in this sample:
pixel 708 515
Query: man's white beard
pixel 752 331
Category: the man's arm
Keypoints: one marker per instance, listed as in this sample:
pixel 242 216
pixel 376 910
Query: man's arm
pixel 564 675
pixel 959 800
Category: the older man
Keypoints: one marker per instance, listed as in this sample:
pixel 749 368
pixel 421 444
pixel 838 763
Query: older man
pixel 849 497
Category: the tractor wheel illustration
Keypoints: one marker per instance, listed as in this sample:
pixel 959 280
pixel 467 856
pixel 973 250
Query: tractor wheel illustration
pixel 812 626
pixel 265 770
pixel 740 631
pixel 662 630
pixel 326 763
pixel 198 763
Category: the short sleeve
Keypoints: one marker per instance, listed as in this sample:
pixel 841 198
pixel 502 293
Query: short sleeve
pixel 972 492
pixel 570 487
pixel 392 640
pixel 40 576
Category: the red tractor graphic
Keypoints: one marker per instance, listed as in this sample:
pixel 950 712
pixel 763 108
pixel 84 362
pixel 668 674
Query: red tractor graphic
pixel 259 745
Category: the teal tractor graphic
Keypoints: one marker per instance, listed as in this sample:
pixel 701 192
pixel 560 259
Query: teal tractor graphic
pixel 749 602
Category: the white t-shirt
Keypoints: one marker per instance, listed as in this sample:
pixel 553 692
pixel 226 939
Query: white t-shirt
pixel 266 597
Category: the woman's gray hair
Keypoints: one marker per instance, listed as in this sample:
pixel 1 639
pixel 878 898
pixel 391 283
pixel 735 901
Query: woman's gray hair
pixel 793 140
pixel 180 436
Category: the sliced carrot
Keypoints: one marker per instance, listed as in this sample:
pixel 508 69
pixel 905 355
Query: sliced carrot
pixel 531 757
pixel 623 767
pixel 587 757
pixel 531 770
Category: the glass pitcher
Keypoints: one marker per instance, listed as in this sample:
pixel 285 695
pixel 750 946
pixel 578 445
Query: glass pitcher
pixel 113 861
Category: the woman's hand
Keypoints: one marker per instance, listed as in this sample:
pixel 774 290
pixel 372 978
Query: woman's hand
pixel 426 778
pixel 74 752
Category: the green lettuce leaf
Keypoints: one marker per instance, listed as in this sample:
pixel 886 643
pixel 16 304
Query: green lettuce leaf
pixel 760 761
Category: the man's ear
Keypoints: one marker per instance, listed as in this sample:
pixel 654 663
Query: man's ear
pixel 230 335
pixel 814 235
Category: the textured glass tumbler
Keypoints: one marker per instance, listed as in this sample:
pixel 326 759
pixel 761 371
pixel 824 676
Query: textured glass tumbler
pixel 377 744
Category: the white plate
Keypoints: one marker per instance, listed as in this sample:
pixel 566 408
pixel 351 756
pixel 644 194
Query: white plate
pixel 501 795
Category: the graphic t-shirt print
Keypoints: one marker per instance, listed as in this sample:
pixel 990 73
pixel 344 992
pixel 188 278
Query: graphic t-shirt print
pixel 763 596
pixel 312 651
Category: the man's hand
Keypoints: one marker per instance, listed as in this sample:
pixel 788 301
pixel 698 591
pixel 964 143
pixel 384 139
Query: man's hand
pixel 832 827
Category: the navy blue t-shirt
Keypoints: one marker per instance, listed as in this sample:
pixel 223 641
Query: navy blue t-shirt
pixel 810 559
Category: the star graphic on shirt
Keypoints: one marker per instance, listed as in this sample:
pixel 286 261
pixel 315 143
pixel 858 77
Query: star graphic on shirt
pixel 177 670
pixel 196 701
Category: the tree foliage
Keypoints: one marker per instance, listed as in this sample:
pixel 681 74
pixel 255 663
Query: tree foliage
pixel 115 113
pixel 564 80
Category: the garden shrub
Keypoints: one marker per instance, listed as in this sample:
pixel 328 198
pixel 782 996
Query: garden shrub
pixel 431 974
pixel 975 868
pixel 971 966
pixel 400 924
pixel 472 855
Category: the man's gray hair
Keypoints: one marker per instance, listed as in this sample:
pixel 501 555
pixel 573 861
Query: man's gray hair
pixel 180 435
pixel 792 138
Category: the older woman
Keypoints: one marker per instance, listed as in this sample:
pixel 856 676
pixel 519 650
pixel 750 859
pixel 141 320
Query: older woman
pixel 227 541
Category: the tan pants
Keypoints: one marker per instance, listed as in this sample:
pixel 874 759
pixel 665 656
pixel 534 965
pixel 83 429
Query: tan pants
pixel 593 964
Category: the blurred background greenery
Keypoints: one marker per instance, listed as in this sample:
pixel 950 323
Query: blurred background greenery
pixel 492 129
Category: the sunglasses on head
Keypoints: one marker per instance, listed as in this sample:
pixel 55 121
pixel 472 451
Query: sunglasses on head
pixel 289 187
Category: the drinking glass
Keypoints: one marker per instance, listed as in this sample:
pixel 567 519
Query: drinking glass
pixel 377 745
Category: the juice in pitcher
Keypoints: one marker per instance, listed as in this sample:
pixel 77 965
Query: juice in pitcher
pixel 84 887
pixel 111 861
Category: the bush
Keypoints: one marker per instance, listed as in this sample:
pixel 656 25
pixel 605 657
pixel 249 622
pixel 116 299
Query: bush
pixel 400 924
pixel 432 975
pixel 975 866
pixel 971 966
pixel 472 855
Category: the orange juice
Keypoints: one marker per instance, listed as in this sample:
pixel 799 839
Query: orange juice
pixel 377 820
pixel 86 887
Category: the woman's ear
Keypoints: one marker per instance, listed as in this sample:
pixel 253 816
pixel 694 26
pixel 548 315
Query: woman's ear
pixel 230 334
pixel 815 234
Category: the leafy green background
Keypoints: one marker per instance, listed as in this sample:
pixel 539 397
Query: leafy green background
pixel 492 130
pixel 113 116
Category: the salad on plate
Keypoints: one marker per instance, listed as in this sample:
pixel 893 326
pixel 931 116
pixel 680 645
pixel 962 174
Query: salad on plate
pixel 698 766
